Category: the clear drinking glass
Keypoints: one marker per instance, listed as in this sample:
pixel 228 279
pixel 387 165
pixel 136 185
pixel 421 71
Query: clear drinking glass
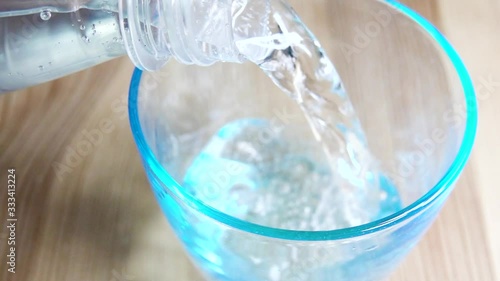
pixel 416 104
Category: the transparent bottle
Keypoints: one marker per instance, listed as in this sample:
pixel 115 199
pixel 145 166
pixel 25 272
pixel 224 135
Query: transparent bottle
pixel 41 40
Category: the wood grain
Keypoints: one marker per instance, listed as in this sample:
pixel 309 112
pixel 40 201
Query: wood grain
pixel 100 221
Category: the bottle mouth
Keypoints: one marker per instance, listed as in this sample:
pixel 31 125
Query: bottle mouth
pixel 191 31
pixel 139 26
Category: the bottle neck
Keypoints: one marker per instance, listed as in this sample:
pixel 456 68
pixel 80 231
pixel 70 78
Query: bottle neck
pixel 191 31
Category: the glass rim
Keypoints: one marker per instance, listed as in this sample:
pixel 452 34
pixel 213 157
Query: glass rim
pixel 446 182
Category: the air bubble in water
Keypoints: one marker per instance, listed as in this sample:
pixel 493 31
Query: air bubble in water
pixel 40 67
pixel 86 39
pixel 45 15
pixel 115 39
pixel 82 27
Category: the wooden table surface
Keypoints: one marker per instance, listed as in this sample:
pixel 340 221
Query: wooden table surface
pixel 100 222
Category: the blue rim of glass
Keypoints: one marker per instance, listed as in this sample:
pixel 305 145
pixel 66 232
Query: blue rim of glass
pixel 425 201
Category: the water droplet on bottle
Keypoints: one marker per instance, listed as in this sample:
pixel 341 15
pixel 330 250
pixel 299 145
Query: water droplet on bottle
pixel 45 15
pixel 50 63
pixel 82 27
pixel 40 67
pixel 85 38
pixel 10 73
pixel 93 26
pixel 115 39
pixel 79 20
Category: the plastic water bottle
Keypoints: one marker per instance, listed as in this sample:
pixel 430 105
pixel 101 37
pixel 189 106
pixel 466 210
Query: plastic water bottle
pixel 41 40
